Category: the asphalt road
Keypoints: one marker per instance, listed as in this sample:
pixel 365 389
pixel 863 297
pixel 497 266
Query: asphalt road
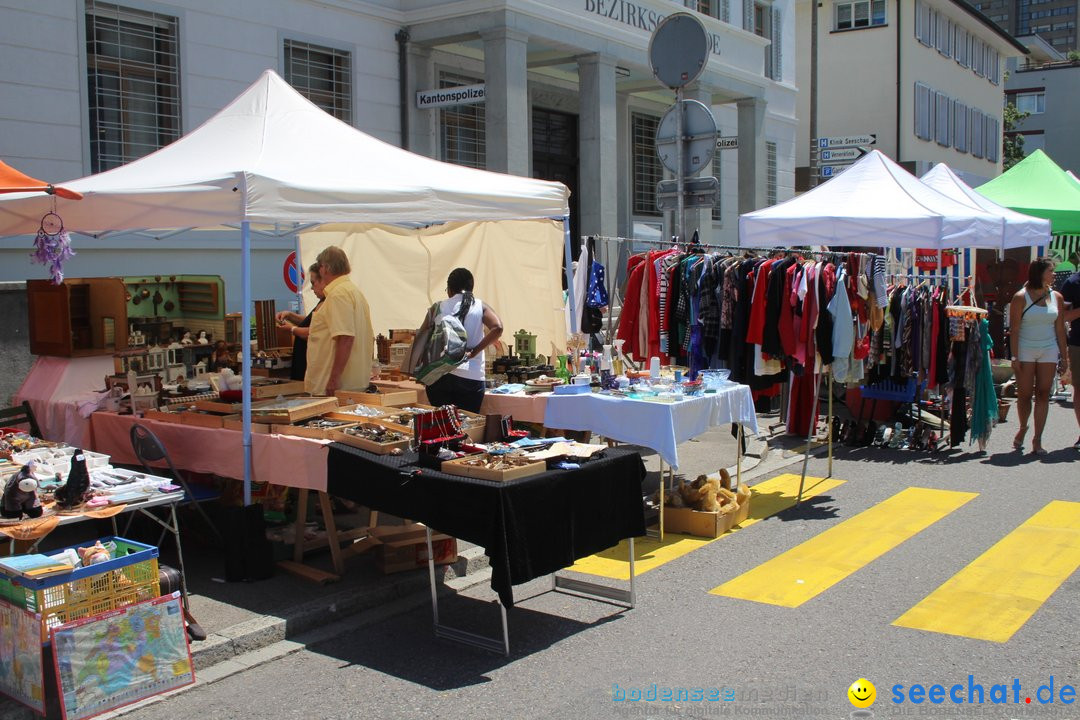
pixel 570 657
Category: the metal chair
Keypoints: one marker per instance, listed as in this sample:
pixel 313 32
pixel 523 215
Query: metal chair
pixel 148 449
pixel 20 415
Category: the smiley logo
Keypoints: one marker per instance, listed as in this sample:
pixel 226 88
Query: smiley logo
pixel 862 693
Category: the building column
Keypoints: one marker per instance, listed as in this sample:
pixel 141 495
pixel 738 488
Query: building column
pixel 598 147
pixel 507 101
pixel 623 172
pixel 423 124
pixel 752 170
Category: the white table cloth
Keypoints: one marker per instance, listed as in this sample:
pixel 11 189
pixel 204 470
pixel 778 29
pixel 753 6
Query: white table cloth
pixel 655 425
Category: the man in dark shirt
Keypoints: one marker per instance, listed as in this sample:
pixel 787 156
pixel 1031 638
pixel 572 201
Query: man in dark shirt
pixel 1070 291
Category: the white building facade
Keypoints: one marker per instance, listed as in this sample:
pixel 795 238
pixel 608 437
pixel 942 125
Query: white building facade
pixel 560 89
pixel 925 77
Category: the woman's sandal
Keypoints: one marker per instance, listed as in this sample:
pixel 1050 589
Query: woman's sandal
pixel 1018 441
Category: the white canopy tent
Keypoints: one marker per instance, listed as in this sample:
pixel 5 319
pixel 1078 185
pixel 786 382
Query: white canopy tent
pixel 272 157
pixel 873 203
pixel 1019 230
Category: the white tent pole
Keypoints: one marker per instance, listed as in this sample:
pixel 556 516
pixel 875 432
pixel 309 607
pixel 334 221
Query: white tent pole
pixel 299 278
pixel 574 320
pixel 245 339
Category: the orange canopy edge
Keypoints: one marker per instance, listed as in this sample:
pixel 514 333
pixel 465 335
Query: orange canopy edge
pixel 11 180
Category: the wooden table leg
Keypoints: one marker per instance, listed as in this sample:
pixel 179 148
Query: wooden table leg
pixel 331 533
pixel 301 525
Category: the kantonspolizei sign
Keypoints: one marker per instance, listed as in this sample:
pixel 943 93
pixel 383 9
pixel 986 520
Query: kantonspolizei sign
pixel 461 95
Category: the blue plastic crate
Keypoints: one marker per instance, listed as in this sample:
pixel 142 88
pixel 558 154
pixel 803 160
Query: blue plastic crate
pixel 889 390
pixel 134 552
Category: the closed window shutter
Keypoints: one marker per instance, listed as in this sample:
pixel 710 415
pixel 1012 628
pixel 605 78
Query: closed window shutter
pixel 748 15
pixel 777 69
pixel 725 11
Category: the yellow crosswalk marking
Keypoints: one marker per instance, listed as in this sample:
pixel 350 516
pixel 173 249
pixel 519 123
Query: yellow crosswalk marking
pixel 809 569
pixel 995 594
pixel 770 497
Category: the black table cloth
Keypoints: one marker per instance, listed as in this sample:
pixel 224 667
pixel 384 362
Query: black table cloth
pixel 529 527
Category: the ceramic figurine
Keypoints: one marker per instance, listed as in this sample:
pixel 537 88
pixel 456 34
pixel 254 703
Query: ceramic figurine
pixel 186 340
pixel 203 340
pixel 76 490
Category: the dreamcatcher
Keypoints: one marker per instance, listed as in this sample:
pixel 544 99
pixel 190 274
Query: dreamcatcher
pixel 53 246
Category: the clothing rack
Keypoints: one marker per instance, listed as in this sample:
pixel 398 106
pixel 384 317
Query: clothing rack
pixel 688 244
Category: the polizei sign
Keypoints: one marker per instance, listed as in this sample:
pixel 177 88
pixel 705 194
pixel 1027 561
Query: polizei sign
pixel 461 95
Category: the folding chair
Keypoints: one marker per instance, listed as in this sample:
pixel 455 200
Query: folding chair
pixel 20 415
pixel 148 449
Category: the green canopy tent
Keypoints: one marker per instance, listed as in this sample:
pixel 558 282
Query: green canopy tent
pixel 1038 186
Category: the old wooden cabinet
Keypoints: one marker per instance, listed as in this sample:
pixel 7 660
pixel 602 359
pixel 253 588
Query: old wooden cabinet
pixel 78 317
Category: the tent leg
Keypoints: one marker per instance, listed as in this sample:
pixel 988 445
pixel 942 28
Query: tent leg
pixel 568 252
pixel 245 344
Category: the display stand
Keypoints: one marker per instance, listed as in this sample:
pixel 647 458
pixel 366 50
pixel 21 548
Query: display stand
pixel 359 540
pixel 559 584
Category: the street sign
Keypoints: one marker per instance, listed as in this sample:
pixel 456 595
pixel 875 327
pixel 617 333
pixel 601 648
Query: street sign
pixel 845 141
pixel 678 50
pixel 843 155
pixel 828 171
pixel 292 274
pixel 727 142
pixel 697 192
pixel 699 138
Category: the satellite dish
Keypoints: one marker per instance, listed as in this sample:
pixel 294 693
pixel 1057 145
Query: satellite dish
pixel 678 50
pixel 699 138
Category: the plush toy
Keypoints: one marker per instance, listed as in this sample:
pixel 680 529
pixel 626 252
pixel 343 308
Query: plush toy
pixel 702 494
pixel 94 554
pixel 725 479
pixel 76 490
pixel 20 495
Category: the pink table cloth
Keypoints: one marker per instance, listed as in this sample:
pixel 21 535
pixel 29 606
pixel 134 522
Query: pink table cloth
pixel 55 386
pixel 278 459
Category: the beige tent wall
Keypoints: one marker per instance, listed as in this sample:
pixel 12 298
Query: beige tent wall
pixel 517 266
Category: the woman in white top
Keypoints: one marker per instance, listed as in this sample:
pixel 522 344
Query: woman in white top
pixel 464 386
pixel 1037 338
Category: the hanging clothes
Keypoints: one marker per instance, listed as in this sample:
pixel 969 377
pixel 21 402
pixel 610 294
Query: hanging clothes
pixel 984 411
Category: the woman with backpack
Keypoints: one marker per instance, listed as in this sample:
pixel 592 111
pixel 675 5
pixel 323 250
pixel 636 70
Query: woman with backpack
pixel 1037 337
pixel 464 386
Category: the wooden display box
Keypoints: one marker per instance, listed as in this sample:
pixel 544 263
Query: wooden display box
pixel 272 387
pixel 707 524
pixel 236 422
pixel 198 418
pixel 292 409
pixel 395 398
pixel 170 416
pixel 404 548
pixel 366 444
pixel 522 468
pixel 343 413
pixel 476 424
pixel 218 406
pixel 318 433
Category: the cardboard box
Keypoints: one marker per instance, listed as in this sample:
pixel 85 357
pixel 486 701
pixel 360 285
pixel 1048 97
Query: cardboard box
pixel 707 524
pixel 404 547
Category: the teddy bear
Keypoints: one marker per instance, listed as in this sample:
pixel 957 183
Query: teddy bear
pixel 96 553
pixel 20 495
pixel 704 492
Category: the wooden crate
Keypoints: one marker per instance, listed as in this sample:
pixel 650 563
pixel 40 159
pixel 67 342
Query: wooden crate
pixel 219 406
pixel 318 433
pixel 475 428
pixel 236 422
pixel 404 547
pixel 171 416
pixel 198 418
pixel 461 467
pixel 394 398
pixel 292 409
pixel 366 444
pixel 272 387
pixel 343 413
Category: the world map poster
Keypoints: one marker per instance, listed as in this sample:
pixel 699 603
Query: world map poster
pixel 21 673
pixel 121 656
